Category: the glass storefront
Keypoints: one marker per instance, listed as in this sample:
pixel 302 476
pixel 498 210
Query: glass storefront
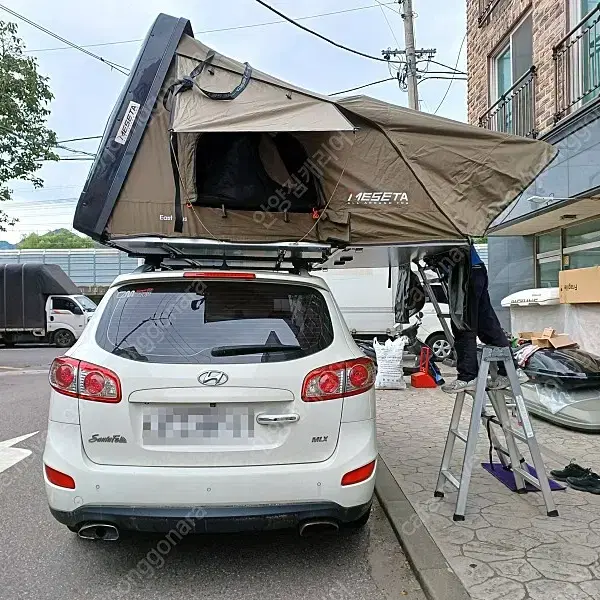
pixel 575 247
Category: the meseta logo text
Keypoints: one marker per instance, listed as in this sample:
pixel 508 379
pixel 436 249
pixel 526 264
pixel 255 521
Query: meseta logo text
pixel 378 198
pixel 127 123
pixel 109 439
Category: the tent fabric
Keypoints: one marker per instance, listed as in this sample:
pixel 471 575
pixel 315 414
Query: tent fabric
pixel 389 175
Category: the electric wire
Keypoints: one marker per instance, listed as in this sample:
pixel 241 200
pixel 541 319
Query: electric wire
pixel 322 37
pixel 435 112
pixel 360 87
pixel 123 70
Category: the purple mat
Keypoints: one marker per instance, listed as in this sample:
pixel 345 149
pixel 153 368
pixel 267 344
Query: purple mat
pixel 507 477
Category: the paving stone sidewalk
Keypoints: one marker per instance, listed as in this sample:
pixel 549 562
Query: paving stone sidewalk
pixel 507 548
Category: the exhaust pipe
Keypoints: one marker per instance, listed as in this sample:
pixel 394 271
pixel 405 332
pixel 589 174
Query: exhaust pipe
pixel 99 531
pixel 318 526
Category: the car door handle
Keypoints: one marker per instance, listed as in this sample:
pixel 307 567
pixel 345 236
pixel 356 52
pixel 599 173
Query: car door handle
pixel 277 419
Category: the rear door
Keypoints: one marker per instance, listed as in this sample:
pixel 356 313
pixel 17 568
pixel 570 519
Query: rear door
pixel 212 373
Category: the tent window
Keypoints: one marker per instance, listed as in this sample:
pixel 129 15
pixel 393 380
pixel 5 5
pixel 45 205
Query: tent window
pixel 231 172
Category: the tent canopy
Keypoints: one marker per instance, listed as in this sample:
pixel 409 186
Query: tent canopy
pixel 203 146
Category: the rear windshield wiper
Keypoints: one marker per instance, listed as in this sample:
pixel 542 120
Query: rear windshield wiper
pixel 252 349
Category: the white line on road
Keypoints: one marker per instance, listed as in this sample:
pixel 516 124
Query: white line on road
pixel 10 456
pixel 24 372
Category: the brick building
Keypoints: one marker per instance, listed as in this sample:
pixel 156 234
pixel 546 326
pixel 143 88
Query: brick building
pixel 534 70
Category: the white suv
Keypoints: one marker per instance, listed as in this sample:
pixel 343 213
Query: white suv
pixel 223 400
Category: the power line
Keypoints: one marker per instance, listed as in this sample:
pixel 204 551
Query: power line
pixel 74 150
pixel 457 71
pixel 224 29
pixel 360 87
pixel 435 112
pixel 123 70
pixel 92 137
pixel 387 21
pixel 326 39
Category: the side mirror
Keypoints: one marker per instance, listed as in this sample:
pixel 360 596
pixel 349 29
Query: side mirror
pixel 420 315
pixel 77 311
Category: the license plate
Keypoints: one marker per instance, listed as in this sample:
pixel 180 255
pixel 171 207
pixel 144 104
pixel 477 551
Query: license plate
pixel 189 425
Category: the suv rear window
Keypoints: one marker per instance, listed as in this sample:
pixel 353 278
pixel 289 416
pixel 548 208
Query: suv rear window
pixel 215 322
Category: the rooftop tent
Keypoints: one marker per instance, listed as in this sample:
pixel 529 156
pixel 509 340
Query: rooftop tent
pixel 203 146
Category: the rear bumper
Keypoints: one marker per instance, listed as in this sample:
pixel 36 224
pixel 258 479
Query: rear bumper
pixel 222 519
pixel 290 492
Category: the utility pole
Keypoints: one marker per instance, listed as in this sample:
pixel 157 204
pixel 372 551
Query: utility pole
pixel 410 77
pixel 411 58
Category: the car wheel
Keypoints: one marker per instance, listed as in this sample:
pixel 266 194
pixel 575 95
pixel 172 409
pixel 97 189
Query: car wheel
pixel 8 340
pixel 440 346
pixel 64 338
pixel 360 522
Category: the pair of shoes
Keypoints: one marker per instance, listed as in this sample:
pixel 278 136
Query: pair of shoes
pixel 588 483
pixel 572 470
pixel 454 387
pixel 500 383
pixel 579 478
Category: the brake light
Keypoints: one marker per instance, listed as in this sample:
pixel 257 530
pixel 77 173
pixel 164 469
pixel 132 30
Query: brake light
pixel 359 475
pixel 60 479
pixel 84 380
pixel 339 380
pixel 218 275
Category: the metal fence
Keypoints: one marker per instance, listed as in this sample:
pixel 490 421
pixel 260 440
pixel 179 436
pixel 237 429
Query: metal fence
pixel 485 10
pixel 577 66
pixel 87 267
pixel 514 111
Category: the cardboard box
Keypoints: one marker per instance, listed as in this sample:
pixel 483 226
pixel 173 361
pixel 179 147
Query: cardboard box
pixel 579 286
pixel 555 340
pixel 529 335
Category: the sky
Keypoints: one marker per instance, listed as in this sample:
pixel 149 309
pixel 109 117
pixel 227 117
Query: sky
pixel 86 89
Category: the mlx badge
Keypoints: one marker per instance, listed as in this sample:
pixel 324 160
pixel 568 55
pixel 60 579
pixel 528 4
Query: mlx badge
pixel 111 439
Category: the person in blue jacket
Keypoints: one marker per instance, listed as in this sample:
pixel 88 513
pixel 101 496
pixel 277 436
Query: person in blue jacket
pixel 483 324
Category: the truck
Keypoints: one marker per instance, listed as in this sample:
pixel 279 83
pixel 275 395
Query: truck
pixel 39 303
pixel 366 298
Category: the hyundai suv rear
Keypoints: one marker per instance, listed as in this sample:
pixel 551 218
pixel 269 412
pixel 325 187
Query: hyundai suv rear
pixel 223 400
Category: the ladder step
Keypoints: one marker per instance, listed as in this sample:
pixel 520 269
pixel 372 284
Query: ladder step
pixel 451 478
pixel 518 434
pixel 459 435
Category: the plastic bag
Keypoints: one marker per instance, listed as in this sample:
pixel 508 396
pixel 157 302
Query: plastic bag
pixel 390 374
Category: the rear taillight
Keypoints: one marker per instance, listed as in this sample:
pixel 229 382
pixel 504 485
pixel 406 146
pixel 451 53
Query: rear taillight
pixel 338 380
pixel 59 479
pixel 359 475
pixel 84 380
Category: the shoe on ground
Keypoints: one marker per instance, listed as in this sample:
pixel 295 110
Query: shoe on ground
pixel 571 470
pixel 522 376
pixel 500 383
pixel 454 387
pixel 589 483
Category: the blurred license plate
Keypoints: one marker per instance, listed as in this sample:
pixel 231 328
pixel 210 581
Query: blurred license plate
pixel 185 425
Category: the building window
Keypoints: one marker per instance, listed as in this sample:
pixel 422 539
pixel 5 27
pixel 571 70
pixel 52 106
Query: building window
pixel 511 85
pixel 575 247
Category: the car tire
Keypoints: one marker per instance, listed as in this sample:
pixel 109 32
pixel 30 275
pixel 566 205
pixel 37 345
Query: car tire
pixel 63 338
pixel 360 522
pixel 440 346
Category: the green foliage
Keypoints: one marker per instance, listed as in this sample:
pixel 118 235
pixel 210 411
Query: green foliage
pixel 61 238
pixel 25 141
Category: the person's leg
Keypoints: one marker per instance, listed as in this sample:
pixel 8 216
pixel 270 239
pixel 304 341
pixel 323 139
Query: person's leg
pixel 489 330
pixel 465 346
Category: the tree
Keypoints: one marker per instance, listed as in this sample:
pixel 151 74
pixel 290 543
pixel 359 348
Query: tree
pixel 61 238
pixel 25 141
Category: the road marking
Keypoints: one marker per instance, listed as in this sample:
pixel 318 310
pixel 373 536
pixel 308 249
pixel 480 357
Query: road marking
pixel 10 456
pixel 24 372
pixel 10 368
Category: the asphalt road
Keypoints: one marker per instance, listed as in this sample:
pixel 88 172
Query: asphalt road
pixel 40 559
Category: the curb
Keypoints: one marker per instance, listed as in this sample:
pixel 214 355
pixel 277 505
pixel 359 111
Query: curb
pixel 438 580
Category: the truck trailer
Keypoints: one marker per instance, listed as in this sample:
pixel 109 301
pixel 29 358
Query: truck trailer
pixel 39 303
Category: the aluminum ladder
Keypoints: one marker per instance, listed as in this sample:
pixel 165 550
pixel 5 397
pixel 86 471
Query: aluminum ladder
pixel 510 457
